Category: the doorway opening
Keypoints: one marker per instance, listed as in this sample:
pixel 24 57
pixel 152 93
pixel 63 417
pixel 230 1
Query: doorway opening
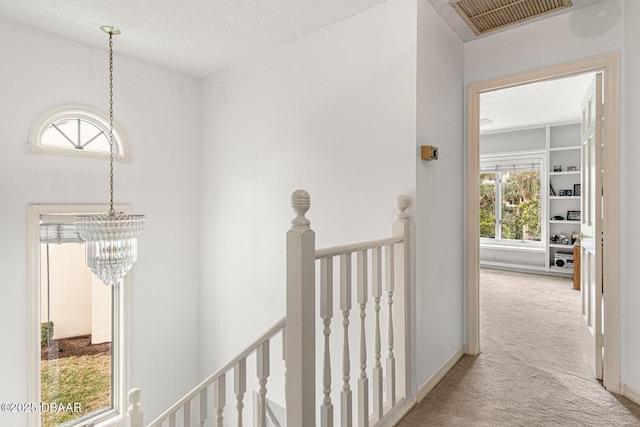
pixel 608 66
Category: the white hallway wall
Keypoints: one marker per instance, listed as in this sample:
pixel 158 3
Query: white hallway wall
pixel 440 189
pixel 587 32
pixel 333 113
pixel 159 113
pixel 336 113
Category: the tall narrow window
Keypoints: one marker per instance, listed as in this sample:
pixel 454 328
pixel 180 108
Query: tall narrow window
pixel 79 326
pixel 510 199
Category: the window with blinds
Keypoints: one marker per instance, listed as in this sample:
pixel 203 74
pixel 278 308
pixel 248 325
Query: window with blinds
pixel 78 326
pixel 57 233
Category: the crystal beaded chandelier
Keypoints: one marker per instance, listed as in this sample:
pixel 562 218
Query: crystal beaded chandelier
pixel 111 239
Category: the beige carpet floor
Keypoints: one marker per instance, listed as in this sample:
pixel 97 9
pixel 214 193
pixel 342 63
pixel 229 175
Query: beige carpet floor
pixel 531 370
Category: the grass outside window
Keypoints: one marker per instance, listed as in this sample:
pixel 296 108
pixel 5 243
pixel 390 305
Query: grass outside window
pixel 77 379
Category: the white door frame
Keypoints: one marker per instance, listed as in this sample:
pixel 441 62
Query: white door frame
pixel 609 65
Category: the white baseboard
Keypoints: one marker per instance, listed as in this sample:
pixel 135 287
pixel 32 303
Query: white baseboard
pixel 396 415
pixel 630 393
pixel 439 374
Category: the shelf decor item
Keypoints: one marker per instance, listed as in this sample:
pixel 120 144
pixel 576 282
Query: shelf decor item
pixel 573 215
pixel 572 168
pixel 557 168
pixel 576 189
pixel 112 238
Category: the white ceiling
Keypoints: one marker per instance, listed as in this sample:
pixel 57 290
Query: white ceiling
pixel 202 37
pixel 536 104
pixel 195 37
pixel 198 37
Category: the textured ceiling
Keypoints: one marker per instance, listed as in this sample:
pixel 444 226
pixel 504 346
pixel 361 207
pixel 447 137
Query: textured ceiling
pixel 198 37
pixel 536 104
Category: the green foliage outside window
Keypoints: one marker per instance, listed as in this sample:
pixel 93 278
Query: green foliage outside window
pixel 46 333
pixel 487 205
pixel 521 207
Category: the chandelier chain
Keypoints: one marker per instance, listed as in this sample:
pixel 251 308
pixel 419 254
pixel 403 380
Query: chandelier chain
pixel 111 210
pixel 111 239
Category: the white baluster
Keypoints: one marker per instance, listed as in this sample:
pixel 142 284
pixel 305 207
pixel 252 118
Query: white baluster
pixel 345 307
pixel 401 294
pixel 186 414
pixel 172 420
pixel 363 381
pixel 240 386
pixel 262 354
pixel 376 283
pixel 203 407
pixel 219 399
pixel 134 411
pixel 391 361
pixel 326 313
pixel 300 332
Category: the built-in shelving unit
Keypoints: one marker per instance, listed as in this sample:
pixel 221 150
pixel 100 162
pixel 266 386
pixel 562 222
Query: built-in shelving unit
pixel 561 144
pixel 564 179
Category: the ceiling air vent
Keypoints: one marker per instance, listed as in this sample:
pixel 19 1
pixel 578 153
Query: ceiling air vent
pixel 488 15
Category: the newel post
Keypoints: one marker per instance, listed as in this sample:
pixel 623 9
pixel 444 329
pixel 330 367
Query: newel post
pixel 300 329
pixel 401 310
pixel 135 417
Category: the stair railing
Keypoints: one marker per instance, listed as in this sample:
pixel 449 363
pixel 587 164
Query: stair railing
pixel 198 398
pixel 382 272
pixel 375 274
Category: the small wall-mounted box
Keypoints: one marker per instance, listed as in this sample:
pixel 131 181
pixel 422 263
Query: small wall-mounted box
pixel 428 152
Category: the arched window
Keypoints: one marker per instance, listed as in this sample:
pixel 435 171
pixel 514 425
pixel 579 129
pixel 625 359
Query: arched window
pixel 76 131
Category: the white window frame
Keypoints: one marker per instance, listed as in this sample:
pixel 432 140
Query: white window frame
pixel 121 314
pixel 36 146
pixel 519 157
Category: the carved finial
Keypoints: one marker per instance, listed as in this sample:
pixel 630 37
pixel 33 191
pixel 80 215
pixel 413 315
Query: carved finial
pixel 134 397
pixel 135 417
pixel 402 203
pixel 300 202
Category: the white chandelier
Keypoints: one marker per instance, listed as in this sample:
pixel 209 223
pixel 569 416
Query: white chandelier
pixel 111 239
